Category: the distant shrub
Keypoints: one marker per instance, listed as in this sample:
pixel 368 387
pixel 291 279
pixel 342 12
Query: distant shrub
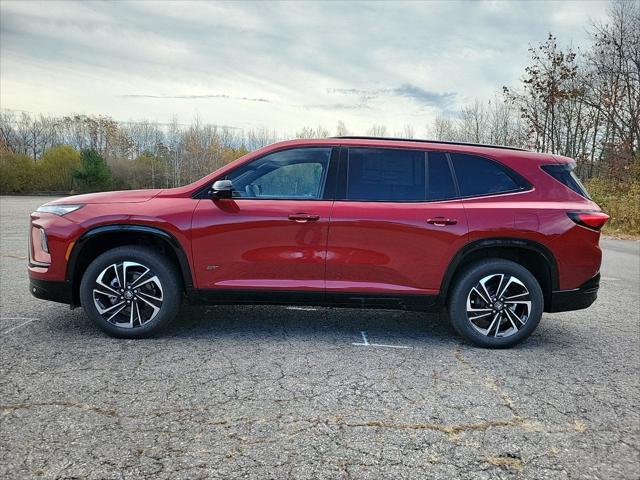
pixel 17 173
pixel 56 168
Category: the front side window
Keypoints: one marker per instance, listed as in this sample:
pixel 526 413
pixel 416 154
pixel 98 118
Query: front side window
pixel 480 176
pixel 287 175
pixel 383 174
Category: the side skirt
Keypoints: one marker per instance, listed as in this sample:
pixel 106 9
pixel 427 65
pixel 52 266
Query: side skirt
pixel 429 303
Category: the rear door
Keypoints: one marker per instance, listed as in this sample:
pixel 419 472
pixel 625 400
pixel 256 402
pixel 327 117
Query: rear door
pixel 396 224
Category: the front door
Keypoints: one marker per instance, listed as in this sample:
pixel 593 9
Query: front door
pixel 395 225
pixel 272 234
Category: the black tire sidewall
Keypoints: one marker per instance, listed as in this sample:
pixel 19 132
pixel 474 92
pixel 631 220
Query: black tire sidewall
pixel 469 278
pixel 166 273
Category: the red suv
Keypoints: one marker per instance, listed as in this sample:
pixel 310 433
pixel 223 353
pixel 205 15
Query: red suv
pixel 496 234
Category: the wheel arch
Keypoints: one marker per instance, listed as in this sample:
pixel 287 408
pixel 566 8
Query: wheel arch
pixel 534 256
pixel 100 239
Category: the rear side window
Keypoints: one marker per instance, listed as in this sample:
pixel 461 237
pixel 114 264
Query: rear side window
pixel 564 174
pixel 480 176
pixel 441 186
pixel 383 174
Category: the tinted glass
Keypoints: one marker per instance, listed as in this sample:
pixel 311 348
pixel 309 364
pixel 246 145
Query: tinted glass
pixel 290 174
pixel 479 176
pixel 441 186
pixel 564 174
pixel 379 174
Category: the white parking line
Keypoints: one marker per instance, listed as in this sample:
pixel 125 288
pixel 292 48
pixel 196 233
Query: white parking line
pixel 388 346
pixel 365 343
pixel 610 279
pixel 27 320
pixel 305 309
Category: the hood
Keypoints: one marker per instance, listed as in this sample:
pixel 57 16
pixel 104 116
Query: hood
pixel 124 196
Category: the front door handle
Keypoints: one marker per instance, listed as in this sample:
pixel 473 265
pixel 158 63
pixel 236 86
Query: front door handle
pixel 442 221
pixel 303 217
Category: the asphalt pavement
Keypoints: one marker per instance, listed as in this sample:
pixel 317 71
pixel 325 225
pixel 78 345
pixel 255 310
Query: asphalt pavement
pixel 275 392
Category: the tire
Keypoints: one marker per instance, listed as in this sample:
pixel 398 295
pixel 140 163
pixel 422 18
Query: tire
pixel 489 323
pixel 156 293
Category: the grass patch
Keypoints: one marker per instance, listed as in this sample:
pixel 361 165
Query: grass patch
pixel 506 461
pixel 621 200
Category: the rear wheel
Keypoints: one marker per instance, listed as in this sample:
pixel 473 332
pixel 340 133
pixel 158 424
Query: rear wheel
pixel 495 303
pixel 130 292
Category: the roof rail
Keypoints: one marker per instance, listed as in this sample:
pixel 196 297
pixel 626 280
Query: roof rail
pixel 364 137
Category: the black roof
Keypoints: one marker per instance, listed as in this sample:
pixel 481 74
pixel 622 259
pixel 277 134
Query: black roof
pixel 356 137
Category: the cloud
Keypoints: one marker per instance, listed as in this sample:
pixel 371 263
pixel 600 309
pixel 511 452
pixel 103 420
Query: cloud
pixel 419 95
pixel 425 97
pixel 359 62
pixel 336 106
pixel 194 97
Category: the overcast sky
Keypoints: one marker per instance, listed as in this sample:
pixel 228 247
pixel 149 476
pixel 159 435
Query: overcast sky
pixel 275 65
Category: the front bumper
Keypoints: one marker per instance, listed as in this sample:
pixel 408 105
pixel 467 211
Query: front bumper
pixel 55 291
pixel 576 299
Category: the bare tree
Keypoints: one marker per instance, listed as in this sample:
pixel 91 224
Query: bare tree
pixel 341 129
pixel 549 88
pixel 614 89
pixel 443 128
pixel 473 124
pixel 259 138
pixel 378 131
pixel 8 134
pixel 308 132
pixel 407 132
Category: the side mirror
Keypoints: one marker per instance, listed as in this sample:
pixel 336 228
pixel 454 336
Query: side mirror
pixel 221 189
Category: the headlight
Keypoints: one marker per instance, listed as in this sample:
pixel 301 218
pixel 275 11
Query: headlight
pixel 44 242
pixel 61 209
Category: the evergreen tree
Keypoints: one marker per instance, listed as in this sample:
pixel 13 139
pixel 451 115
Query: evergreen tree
pixel 94 174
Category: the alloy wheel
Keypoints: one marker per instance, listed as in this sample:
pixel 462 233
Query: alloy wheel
pixel 499 305
pixel 128 294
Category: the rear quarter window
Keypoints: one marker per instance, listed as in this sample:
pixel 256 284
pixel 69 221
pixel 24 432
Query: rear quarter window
pixel 480 176
pixel 564 174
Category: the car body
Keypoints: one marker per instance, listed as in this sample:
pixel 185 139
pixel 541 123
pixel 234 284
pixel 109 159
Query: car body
pixel 348 221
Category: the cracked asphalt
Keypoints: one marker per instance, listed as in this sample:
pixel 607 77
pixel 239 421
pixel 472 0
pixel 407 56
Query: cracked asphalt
pixel 270 392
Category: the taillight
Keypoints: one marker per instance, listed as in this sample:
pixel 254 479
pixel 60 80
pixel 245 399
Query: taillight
pixel 591 219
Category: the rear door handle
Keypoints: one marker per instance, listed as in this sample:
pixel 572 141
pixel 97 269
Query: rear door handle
pixel 303 217
pixel 442 221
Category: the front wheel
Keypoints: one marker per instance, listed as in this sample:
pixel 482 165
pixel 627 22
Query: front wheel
pixel 495 303
pixel 130 292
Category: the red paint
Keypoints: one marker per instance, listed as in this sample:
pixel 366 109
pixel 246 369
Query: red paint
pixel 351 246
pixel 253 244
pixel 378 246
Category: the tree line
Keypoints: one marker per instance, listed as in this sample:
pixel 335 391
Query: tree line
pixel 581 104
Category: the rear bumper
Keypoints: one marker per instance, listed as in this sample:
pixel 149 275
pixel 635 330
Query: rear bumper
pixel 55 291
pixel 576 299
